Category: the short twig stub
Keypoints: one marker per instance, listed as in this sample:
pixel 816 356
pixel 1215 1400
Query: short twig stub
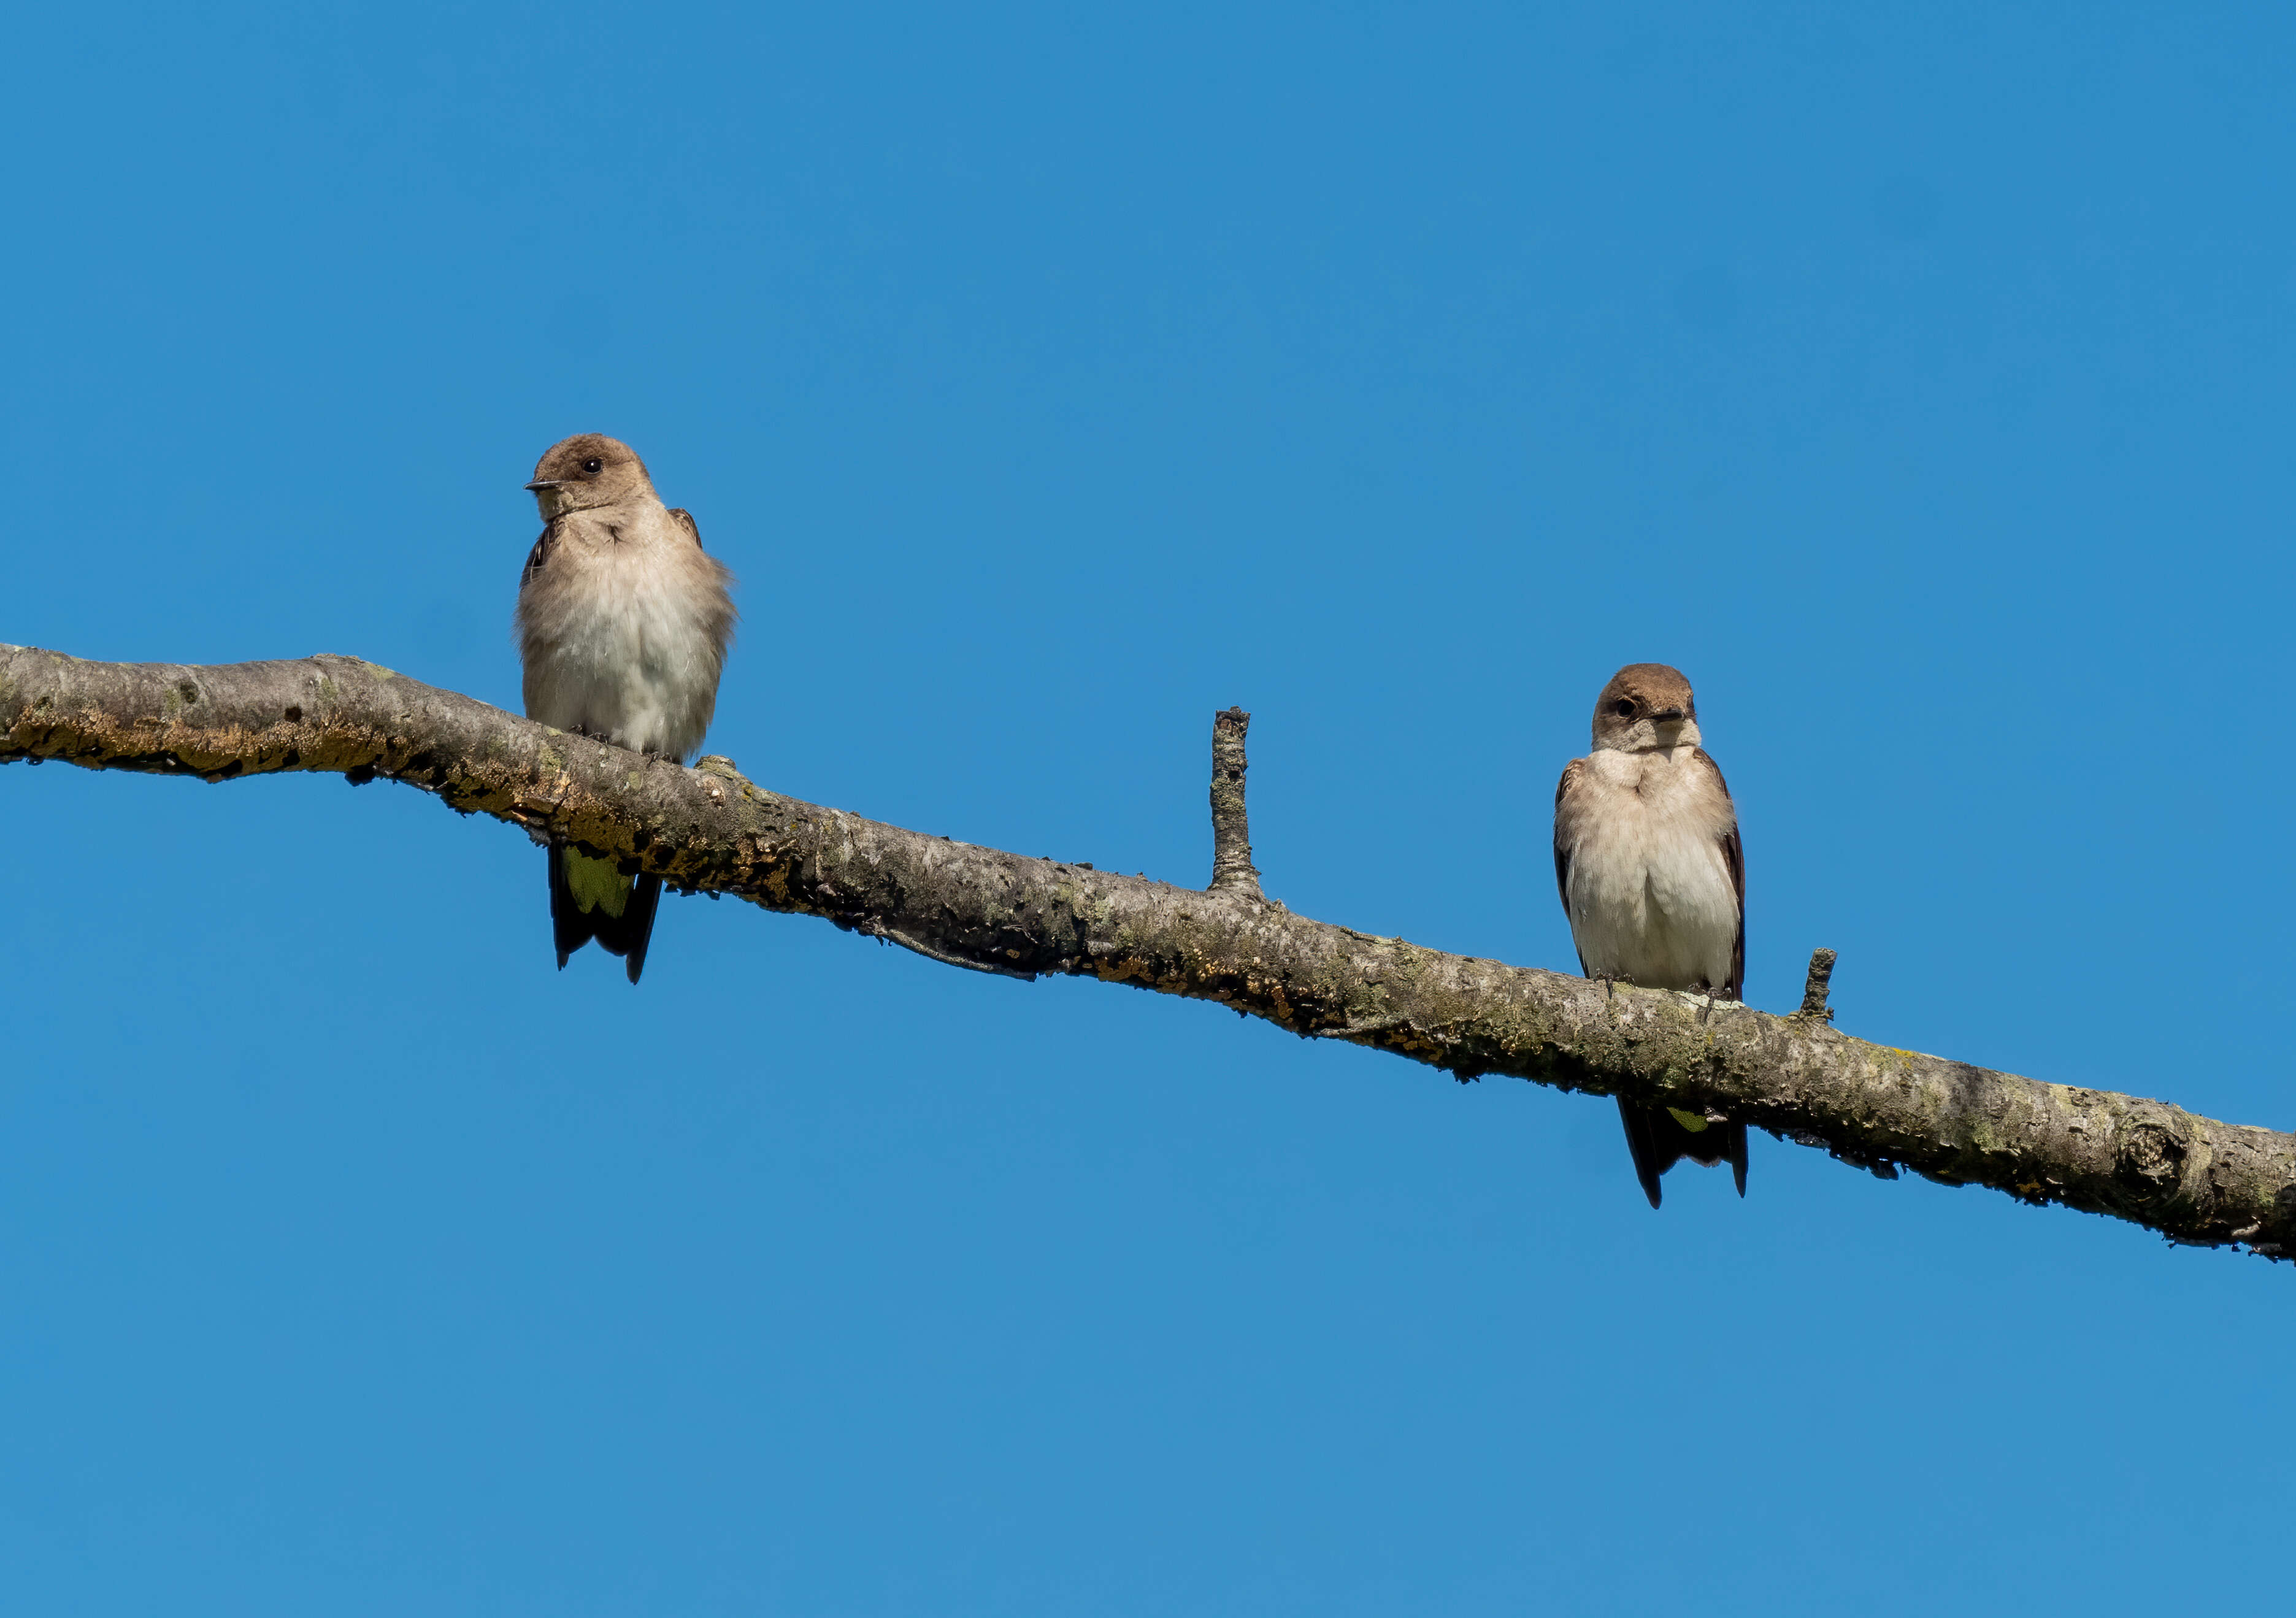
pixel 1231 868
pixel 1815 988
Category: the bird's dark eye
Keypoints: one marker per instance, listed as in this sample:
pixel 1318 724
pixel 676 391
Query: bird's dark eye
pixel 1623 706
pixel 592 465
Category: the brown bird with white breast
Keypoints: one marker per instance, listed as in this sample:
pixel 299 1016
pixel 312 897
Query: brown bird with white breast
pixel 1652 875
pixel 622 625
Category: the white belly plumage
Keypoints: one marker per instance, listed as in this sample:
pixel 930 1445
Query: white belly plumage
pixel 631 665
pixel 1650 899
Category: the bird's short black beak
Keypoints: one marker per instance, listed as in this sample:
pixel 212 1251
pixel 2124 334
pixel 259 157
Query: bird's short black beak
pixel 1669 716
pixel 543 483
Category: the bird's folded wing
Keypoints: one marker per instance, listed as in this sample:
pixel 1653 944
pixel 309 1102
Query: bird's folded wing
pixel 1566 812
pixel 1734 860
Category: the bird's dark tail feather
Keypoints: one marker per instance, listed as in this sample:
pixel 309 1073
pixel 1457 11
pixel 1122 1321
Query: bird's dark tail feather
pixel 1659 1141
pixel 589 899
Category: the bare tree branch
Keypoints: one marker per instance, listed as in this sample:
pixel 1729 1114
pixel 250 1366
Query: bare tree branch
pixel 709 829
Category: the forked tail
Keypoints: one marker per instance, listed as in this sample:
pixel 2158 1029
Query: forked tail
pixel 591 898
pixel 1659 1139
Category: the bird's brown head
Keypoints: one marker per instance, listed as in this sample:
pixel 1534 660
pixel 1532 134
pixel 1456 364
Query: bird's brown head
pixel 587 469
pixel 1645 705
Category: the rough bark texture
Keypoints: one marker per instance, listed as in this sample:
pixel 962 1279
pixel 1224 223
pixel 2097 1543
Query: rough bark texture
pixel 1814 988
pixel 708 827
pixel 1233 872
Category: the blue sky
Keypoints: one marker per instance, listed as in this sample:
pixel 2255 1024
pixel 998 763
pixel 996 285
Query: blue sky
pixel 1914 378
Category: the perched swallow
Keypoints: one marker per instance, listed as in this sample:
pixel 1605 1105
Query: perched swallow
pixel 1653 878
pixel 622 625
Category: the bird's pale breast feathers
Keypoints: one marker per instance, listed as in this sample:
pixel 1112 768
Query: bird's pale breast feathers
pixel 623 620
pixel 1647 857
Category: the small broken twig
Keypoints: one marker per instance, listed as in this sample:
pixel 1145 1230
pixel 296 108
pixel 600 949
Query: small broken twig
pixel 1231 868
pixel 1815 989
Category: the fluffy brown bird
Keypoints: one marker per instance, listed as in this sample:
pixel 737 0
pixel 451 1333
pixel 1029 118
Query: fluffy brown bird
pixel 1652 875
pixel 622 625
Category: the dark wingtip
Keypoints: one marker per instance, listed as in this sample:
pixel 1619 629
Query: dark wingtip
pixel 569 929
pixel 646 898
pixel 1644 1148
